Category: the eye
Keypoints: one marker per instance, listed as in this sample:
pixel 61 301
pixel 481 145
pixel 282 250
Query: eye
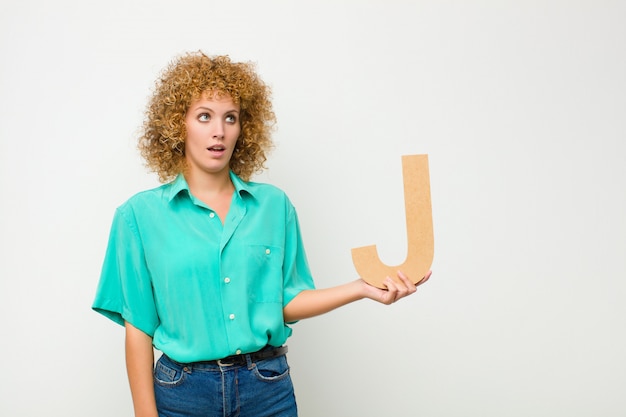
pixel 204 117
pixel 231 118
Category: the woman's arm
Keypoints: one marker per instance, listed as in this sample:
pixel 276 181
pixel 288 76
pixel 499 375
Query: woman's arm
pixel 139 365
pixel 310 303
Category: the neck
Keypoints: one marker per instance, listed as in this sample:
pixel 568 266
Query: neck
pixel 209 184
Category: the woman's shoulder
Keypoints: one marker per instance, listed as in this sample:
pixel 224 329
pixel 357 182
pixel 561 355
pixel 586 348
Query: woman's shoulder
pixel 148 197
pixel 263 190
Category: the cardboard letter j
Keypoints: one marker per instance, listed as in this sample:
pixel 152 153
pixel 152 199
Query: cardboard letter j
pixel 419 229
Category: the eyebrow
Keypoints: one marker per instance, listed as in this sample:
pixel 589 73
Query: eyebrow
pixel 212 111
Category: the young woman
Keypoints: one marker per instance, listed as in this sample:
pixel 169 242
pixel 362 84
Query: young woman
pixel 210 268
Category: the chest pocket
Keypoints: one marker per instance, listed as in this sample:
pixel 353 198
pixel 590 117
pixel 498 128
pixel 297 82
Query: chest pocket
pixel 265 273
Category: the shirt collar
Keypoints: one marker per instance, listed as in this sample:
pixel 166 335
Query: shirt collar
pixel 241 186
pixel 180 183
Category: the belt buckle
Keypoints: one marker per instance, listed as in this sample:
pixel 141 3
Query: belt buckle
pixel 230 360
pixel 220 363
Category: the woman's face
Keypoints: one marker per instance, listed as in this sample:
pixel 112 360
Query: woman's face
pixel 213 128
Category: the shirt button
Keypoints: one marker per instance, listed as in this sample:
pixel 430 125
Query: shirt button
pixel 232 317
pixel 267 251
pixel 238 352
pixel 211 215
pixel 226 280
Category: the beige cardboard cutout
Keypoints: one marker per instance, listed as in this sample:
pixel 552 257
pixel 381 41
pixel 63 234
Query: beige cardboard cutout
pixel 419 228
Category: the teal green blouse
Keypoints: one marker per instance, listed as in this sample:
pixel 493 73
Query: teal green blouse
pixel 201 289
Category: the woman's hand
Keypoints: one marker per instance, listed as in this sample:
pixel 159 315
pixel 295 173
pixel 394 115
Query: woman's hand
pixel 395 289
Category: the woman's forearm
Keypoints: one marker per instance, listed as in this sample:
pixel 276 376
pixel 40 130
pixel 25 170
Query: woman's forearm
pixel 310 303
pixel 139 365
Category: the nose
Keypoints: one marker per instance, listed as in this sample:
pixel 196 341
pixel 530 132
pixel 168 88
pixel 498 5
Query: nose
pixel 218 130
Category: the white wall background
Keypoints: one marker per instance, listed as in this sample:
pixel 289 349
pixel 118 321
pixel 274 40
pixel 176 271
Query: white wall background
pixel 521 106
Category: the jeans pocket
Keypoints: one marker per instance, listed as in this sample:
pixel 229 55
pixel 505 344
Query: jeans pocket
pixel 274 369
pixel 168 374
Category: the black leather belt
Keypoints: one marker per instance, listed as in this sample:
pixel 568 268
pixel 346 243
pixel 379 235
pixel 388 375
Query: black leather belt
pixel 267 353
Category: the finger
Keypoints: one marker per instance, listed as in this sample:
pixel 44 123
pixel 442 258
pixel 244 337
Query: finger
pixel 392 290
pixel 390 284
pixel 405 287
pixel 408 284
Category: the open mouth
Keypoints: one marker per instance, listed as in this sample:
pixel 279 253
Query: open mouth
pixel 216 148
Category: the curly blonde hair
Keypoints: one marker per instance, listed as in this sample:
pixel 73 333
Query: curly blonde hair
pixel 187 78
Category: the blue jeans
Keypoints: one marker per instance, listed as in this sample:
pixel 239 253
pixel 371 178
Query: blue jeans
pixel 256 389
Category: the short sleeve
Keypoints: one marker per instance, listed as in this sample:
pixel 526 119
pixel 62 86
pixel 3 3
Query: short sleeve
pixel 296 273
pixel 125 290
